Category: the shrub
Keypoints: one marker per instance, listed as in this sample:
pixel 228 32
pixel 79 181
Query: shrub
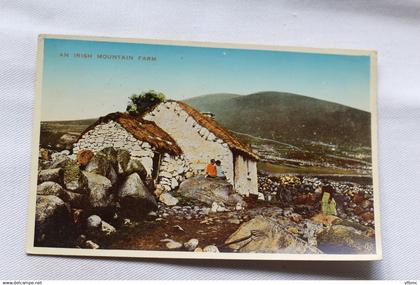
pixel 144 102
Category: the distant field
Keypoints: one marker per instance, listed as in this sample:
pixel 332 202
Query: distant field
pixel 74 126
pixel 52 131
pixel 283 169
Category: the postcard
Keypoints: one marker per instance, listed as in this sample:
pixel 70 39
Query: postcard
pixel 166 149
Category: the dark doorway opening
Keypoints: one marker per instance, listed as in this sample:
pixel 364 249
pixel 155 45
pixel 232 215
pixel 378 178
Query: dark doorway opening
pixel 156 165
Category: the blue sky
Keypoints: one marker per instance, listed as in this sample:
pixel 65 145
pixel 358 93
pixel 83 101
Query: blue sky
pixel 77 88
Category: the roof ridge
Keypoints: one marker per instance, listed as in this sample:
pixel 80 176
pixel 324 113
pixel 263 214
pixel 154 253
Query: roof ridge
pixel 218 130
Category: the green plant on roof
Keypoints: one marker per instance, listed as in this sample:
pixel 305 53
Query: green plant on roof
pixel 144 102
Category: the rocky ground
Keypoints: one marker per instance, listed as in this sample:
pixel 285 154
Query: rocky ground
pixel 106 201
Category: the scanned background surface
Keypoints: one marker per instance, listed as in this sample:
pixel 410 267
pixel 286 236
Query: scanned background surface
pixel 391 29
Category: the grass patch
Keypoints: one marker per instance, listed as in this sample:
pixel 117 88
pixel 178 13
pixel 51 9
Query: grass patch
pixel 282 169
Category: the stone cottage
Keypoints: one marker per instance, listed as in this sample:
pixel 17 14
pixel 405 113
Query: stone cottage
pixel 161 156
pixel 201 138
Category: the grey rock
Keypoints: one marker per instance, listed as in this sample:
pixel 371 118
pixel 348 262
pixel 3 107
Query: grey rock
pixel 128 165
pixel 191 244
pixel 238 207
pixel 171 244
pixel 58 160
pixel 107 229
pixel 76 200
pixel 104 163
pixel 207 190
pixel 211 248
pixel 67 140
pixel 205 210
pixel 90 244
pixel 222 208
pixel 135 198
pixel 347 237
pixel 236 199
pixel 99 188
pixel 264 235
pixel 93 222
pixel 50 188
pixel 54 174
pixel 214 207
pixel 74 180
pixel 167 199
pixel 152 213
pixel 53 221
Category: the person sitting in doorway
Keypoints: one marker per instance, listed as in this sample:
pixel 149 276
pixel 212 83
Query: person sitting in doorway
pixel 211 171
pixel 219 170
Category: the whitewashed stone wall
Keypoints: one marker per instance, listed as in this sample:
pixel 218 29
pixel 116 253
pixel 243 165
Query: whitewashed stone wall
pixel 172 171
pixel 241 171
pixel 198 144
pixel 112 134
pixel 253 176
pixel 246 176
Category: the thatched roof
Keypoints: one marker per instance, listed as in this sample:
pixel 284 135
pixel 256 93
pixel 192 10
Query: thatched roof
pixel 234 143
pixel 142 130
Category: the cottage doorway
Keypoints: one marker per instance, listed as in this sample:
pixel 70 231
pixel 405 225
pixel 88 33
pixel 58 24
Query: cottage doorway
pixel 156 165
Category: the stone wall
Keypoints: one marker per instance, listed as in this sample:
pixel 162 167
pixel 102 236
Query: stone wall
pixel 198 144
pixel 246 181
pixel 241 171
pixel 172 169
pixel 252 173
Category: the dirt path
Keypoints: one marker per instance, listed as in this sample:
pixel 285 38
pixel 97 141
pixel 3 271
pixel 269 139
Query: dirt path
pixel 212 230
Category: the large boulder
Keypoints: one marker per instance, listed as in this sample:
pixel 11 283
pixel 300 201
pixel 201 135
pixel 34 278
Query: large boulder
pixel 104 163
pixel 74 180
pixel 66 141
pixel 113 164
pixel 99 190
pixel 128 165
pixel 53 221
pixel 54 174
pixel 208 190
pixel 58 160
pixel 72 175
pixel 76 200
pixel 50 188
pixel 135 199
pixel 264 235
pixel 345 239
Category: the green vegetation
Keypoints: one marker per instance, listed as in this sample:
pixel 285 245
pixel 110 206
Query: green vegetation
pixel 144 102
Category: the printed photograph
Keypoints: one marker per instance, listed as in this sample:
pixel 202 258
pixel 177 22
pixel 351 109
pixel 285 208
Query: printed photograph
pixel 148 146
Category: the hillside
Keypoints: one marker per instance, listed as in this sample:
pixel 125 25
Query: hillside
pixel 208 102
pixel 288 117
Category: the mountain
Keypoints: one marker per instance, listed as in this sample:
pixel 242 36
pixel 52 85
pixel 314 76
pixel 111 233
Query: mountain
pixel 209 101
pixel 288 117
